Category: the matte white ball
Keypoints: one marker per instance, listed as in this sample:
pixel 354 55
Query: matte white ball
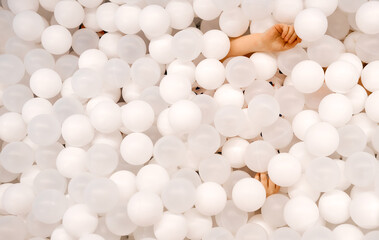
pixel 178 201
pixel 127 19
pixel 371 106
pixel 197 223
pixel 49 206
pixel 229 120
pixel 154 20
pixel 181 13
pixel 56 39
pixel 334 206
pixel 17 199
pixel 307 76
pixel 79 220
pixel 367 18
pixel 145 209
pixel 361 168
pixel 184 116
pixel 263 109
pixel 240 72
pixel 101 195
pixel 28 25
pixel 69 14
pixel 265 65
pixel 326 50
pixel 174 87
pixel 210 198
pixel 12 69
pixel 311 24
pixel 233 22
pixel 229 95
pixel 323 174
pixel 360 213
pixel 321 139
pixel 234 150
pixel 369 74
pixel 258 155
pixel 12 127
pixel 284 169
pixel 216 44
pixel 137 116
pixel 77 130
pixel 341 76
pixel 170 151
pixel 171 227
pixel 45 83
pixel 335 109
pixel 16 157
pixel 303 121
pixel 248 194
pixel 105 16
pixel 358 96
pixel 206 9
pixel 272 210
pixel 187 44
pixel 327 7
pixel 152 178
pixel 286 10
pixel 44 130
pixel 136 148
pixel 300 213
pixel 352 139
pixel 71 162
pixel 106 117
pixel 348 232
pixel 210 74
pixel 160 49
pixel 285 233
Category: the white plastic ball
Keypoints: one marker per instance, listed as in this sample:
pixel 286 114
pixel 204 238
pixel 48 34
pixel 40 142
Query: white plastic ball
pixel 206 9
pixel 284 169
pixel 371 106
pixel 251 229
pixel 318 232
pixel 303 121
pixel 28 25
pixel 105 16
pixel 152 178
pixel 228 120
pixel 218 233
pixel 225 4
pixel 204 141
pixel 131 47
pixel 348 232
pixel 169 151
pixel 44 130
pixel 137 116
pixel 287 60
pixel 210 74
pixel 106 117
pixel 127 19
pixel 231 218
pixel 361 168
pixel 290 101
pixel 45 83
pixel 171 226
pixel 240 72
pixel 234 150
pixel 116 73
pixel 215 168
pixel 136 148
pixel 145 72
pixel 323 174
pixel 364 209
pixel 257 9
pixel 248 194
pixel 12 127
pixel 207 105
pixel 34 107
pixel 71 162
pixel 310 24
pixel 145 208
pixel 19 6
pixel 160 49
pixel 69 14
pixel 178 195
pixel 210 198
pixel 216 44
pixel 56 39
pixel 11 69
pixel 272 210
pixel 154 20
pixel 181 13
pixel 279 134
pixel 263 109
pixel 102 159
pixel 16 157
pixel 49 206
pixel 326 51
pixel 335 109
pixel 79 220
pixel 197 223
pixel 187 44
pixel 300 213
pixel 371 235
pixel 367 18
pixel 13 227
pixel 286 10
pixel 49 179
pixel 352 139
pixel 84 39
pixel 369 74
pixel 258 155
pixel 184 116
pixel 174 87
pixel 327 7
pixel 229 95
pixel 77 130
pixel 265 65
pixel 233 22
pixel 334 206
pixel 303 188
pixel 17 199
pixel 358 96
pixel 350 6
pixel 101 195
pixel 341 76
pixel 307 76
pixel 285 233
pixel 321 139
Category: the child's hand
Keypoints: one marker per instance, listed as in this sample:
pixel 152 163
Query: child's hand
pixel 271 188
pixel 280 37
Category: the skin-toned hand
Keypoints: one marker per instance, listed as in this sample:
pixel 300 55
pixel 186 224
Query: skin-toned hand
pixel 271 188
pixel 280 37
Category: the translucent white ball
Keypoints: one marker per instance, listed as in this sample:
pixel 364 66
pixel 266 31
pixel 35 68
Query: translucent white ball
pixel 234 150
pixel 145 72
pixel 79 220
pixel 152 178
pixel 231 218
pixel 350 6
pixel 321 139
pixel 17 199
pixel 174 87
pixel 303 121
pixel 44 129
pixel 310 24
pixel 215 168
pixel 86 83
pixel 249 194
pixel 279 134
pixel 251 229
pixel 334 206
pixel 12 69
pixel 16 157
pixel 335 109
pixel 206 9
pixel 263 109
pixel 240 72
pixel 66 65
pixel 69 14
pixel 13 227
pixel 169 151
pixel 369 74
pixel 38 58
pixel 12 127
pixel 181 13
pixel 352 139
pixel 367 18
pixel 101 195
pixel 28 25
pixel 187 44
pixel 45 83
pixel 327 7
pixel 84 39
pixel 49 206
pixel 204 141
pixel 210 198
pixel 225 4
pixel 318 232
pixel 323 174
pixel 363 216
pixel 341 76
pixel 300 213
pixel 358 96
pixel 71 162
pixel 160 49
pixel 360 169
pixel 233 22
pixel 272 210
pixel 198 224
pixel 56 39
pixel 19 6
pixel 77 130
pixel 290 101
pixel 286 10
pixel 229 95
pixel 178 201
pixel 91 237
pixel 131 47
pixel 326 50
pixel 154 20
pixel 347 231
pixel 371 235
pixel 184 116
pixel 116 73
pixel 210 74
pixel 171 226
pixel 127 19
pixel 216 44
pixel 136 148
pixel 258 155
pixel 186 68
pixel 90 3
pixel 307 76
pixel 145 208
pixel 137 116
pixel 287 60
pixel 106 117
pixel 264 64
pixel 229 120
pixel 105 16
pixel 371 106
pixel 285 233
pixel 102 159
pixel 257 9
pixel 284 169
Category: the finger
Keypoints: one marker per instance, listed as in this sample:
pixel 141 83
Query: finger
pixel 277 188
pixel 257 176
pixel 271 186
pixel 285 31
pixel 264 179
pixel 291 31
pixel 292 38
pixel 279 27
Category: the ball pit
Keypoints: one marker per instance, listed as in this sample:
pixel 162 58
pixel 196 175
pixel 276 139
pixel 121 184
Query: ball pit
pixel 133 120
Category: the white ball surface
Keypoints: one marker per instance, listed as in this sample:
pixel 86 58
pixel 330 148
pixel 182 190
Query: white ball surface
pixel 341 76
pixel 265 65
pixel 101 195
pixel 56 39
pixel 248 194
pixel 28 25
pixel 184 116
pixel 71 162
pixel 106 117
pixel 367 18
pixel 240 72
pixel 86 83
pixel 45 83
pixel 210 74
pixel 206 9
pixel 323 174
pixel 12 127
pixel 369 74
pixel 44 130
pixel 187 44
pixel 272 210
pixel 137 116
pixel 335 109
pixel 360 169
pixel 371 106
pixel 234 150
pixel 102 159
pixel 170 151
pixel 300 213
pixel 105 16
pixel 258 155
pixel 152 178
pixel 216 44
pixel 303 121
pixel 210 198
pixel 215 168
pixel 233 22
pixel 363 216
pixel 136 148
pixel 321 139
pixel 174 87
pixel 79 220
pixel 77 130
pixel 307 76
pixel 12 69
pixel 69 14
pixel 327 7
pixel 17 157
pixel 286 10
pixel 181 13
pixel 127 19
pixel 263 109
pixel 49 206
pixel 284 169
pixel 145 209
pixel 311 24
pixel 229 120
pixel 171 227
pixel 348 232
pixel 178 201
pixel 334 206
pixel 17 199
pixel 154 20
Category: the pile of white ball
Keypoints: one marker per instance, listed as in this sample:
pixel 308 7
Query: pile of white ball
pixel 164 163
